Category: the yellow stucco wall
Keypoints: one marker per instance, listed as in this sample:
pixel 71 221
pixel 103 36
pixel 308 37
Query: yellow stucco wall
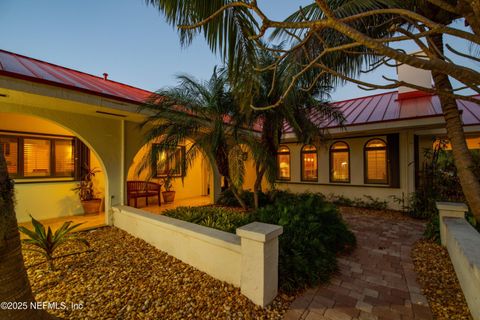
pixel 196 183
pixel 43 199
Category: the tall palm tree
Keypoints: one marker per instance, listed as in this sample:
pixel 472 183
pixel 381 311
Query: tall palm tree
pixel 205 113
pixel 14 284
pixel 231 32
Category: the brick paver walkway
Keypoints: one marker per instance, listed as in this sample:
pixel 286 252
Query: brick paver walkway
pixel 376 281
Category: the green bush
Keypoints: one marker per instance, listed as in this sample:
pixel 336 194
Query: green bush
pixel 432 231
pixel 218 218
pixel 367 202
pixel 313 233
pixel 228 199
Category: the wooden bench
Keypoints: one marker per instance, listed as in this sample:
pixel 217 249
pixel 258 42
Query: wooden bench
pixel 142 189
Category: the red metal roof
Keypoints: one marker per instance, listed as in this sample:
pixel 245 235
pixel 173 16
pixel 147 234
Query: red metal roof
pixel 19 66
pixel 386 107
pixel 372 109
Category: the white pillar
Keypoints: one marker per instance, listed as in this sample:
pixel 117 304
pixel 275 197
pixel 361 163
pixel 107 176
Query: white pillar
pixel 259 247
pixel 449 210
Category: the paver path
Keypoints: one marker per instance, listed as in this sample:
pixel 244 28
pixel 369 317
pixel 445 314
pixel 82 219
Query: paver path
pixel 376 281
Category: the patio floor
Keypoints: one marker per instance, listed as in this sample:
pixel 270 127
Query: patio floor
pixel 93 221
pixel 376 281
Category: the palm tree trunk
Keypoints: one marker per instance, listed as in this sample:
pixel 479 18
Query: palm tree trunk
pixel 236 194
pixel 14 284
pixel 461 155
pixel 257 186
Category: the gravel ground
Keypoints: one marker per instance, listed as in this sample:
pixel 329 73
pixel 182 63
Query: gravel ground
pixel 439 282
pixel 126 278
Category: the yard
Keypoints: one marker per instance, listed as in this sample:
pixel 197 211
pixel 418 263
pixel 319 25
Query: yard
pixel 126 278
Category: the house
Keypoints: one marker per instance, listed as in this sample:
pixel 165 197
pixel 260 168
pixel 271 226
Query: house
pixel 55 120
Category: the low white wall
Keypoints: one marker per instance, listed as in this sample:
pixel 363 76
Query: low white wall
pixel 248 260
pixel 463 244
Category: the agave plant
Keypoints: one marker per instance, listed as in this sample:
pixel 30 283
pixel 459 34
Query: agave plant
pixel 46 242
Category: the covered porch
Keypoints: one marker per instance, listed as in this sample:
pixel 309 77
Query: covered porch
pixel 94 221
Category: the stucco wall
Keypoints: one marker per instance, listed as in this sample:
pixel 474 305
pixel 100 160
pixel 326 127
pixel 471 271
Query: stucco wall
pixel 196 183
pixel 102 135
pixel 357 187
pixel 44 199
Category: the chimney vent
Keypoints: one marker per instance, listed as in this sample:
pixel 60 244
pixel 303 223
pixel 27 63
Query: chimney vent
pixel 415 76
pixel 105 76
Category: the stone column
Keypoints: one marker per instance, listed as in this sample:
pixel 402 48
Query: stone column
pixel 259 247
pixel 449 210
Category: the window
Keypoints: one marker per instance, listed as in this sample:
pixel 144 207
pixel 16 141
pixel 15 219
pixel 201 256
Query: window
pixel 283 163
pixel 309 163
pixel 339 162
pixel 171 162
pixel 473 143
pixel 9 147
pixel 376 167
pixel 38 157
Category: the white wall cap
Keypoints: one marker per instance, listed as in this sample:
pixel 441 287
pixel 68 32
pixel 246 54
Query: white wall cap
pixel 258 231
pixel 452 206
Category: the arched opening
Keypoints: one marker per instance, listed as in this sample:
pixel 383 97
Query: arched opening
pixel 45 159
pixel 193 185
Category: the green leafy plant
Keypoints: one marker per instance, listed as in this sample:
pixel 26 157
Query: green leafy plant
pixel 367 202
pixel 85 188
pixel 47 242
pixel 218 218
pixel 167 182
pixel 313 233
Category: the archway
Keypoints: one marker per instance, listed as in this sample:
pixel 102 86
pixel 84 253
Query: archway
pixel 43 160
pixel 195 188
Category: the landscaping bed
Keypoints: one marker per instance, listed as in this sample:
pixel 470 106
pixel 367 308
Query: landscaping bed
pixel 126 278
pixel 440 285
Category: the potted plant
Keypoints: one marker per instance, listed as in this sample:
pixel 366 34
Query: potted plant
pixel 169 194
pixel 86 192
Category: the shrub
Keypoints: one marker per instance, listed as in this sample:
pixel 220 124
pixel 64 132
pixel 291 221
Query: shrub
pixel 313 233
pixel 368 202
pixel 218 218
pixel 47 242
pixel 228 199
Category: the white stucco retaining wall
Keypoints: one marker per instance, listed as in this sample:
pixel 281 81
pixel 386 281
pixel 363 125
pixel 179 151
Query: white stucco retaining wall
pixel 248 260
pixel 463 244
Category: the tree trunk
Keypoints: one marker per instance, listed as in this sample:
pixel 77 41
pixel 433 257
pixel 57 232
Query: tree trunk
pixel 236 194
pixel 257 186
pixel 461 155
pixel 14 284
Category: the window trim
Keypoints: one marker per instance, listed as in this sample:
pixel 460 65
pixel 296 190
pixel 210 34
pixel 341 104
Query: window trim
pixel 182 165
pixel 21 136
pixel 289 163
pixel 331 152
pixel 365 162
pixel 302 152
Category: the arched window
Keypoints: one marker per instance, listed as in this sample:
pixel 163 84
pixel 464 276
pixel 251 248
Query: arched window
pixel 309 163
pixel 339 162
pixel 283 163
pixel 376 161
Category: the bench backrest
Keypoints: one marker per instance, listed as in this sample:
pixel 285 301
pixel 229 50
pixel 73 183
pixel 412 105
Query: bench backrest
pixel 142 186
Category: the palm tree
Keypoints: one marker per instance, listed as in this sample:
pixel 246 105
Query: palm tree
pixel 202 112
pixel 14 283
pixel 230 34
pixel 296 111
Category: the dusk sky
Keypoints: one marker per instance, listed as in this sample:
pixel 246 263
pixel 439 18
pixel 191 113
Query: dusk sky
pixel 125 38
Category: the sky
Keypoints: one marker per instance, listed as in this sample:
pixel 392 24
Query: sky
pixel 126 39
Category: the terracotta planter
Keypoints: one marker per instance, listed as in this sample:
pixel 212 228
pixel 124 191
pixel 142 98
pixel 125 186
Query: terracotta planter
pixel 168 196
pixel 91 206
